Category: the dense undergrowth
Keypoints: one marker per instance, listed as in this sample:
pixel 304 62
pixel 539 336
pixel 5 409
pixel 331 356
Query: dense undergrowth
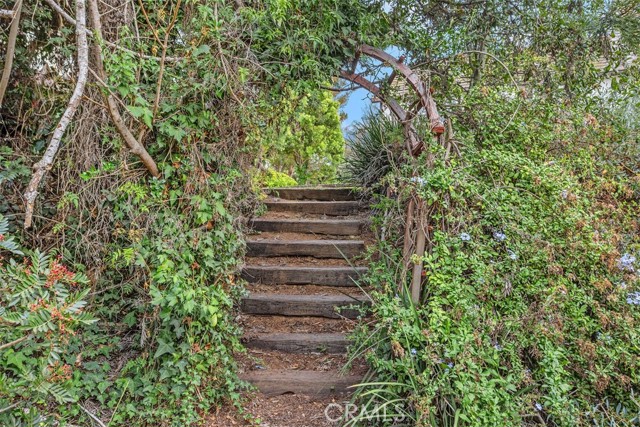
pixel 117 303
pixel 140 272
pixel 529 311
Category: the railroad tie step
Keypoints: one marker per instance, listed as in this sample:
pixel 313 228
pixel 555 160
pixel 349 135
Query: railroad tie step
pixel 298 275
pixel 314 207
pixel 337 249
pixel 315 193
pixel 310 383
pixel 330 306
pixel 327 343
pixel 336 227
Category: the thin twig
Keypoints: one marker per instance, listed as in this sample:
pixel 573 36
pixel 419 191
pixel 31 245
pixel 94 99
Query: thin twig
pixel 55 6
pixel 513 80
pixel 165 45
pixel 14 342
pixel 92 416
pixel 10 407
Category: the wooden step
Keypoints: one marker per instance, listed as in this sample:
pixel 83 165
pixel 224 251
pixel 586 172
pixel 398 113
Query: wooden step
pixel 299 343
pixel 302 305
pixel 286 275
pixel 311 383
pixel 337 227
pixel 339 249
pixel 314 207
pixel 315 193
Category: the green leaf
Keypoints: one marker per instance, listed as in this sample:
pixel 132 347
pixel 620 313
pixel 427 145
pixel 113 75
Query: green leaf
pixel 163 348
pixel 143 113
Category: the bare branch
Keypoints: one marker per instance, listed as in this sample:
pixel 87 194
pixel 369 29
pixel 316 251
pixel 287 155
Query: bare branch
pixel 14 342
pixel 134 145
pixel 10 407
pixel 11 49
pixel 44 165
pixel 165 44
pixel 55 6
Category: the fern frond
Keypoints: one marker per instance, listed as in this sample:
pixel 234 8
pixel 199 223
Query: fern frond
pixel 39 261
pixel 8 243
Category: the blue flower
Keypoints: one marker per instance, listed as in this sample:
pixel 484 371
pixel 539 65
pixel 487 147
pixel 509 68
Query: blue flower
pixel 419 180
pixel 499 236
pixel 538 406
pixel 626 262
pixel 465 237
pixel 414 351
pixel 633 298
pixel 512 254
pixel 497 347
pixel 450 364
pixel 564 194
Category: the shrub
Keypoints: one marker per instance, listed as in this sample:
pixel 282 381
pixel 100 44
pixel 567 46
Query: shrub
pixel 373 148
pixel 530 300
pixel 273 179
pixel 42 307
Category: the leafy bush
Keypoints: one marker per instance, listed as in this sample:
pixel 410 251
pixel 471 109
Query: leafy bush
pixel 176 251
pixel 273 179
pixel 301 135
pixel 42 308
pixel 530 299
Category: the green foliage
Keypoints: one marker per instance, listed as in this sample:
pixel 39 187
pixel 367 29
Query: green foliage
pixel 529 310
pixel 274 179
pixel 304 42
pixel 187 336
pixel 374 147
pixel 302 135
pixel 7 242
pixel 551 45
pixel 42 308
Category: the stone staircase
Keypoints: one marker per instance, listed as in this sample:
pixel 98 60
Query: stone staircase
pixel 301 267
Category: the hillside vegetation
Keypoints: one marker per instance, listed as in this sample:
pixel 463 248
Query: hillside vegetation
pixel 135 138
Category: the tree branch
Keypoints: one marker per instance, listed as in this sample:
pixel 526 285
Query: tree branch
pixel 134 145
pixel 11 49
pixel 165 45
pixel 10 407
pixel 44 165
pixel 55 6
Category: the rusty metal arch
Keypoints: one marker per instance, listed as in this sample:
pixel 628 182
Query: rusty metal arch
pixel 414 144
